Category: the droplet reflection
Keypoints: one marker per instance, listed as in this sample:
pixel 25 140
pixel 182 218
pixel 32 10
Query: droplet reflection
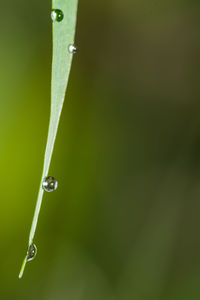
pixel 72 49
pixel 31 253
pixel 49 184
pixel 57 15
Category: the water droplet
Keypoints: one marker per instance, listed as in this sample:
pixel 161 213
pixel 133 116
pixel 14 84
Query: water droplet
pixel 72 49
pixel 57 15
pixel 49 184
pixel 31 253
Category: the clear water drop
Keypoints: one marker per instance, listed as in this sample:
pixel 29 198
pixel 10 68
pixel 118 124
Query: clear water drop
pixel 31 253
pixel 49 184
pixel 57 15
pixel 72 49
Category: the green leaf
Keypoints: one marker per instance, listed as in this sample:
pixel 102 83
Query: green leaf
pixel 63 36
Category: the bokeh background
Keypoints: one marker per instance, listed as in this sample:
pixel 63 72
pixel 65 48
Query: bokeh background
pixel 125 220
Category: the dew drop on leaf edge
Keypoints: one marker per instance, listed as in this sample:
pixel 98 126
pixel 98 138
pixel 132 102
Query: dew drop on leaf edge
pixel 49 184
pixel 31 253
pixel 72 49
pixel 57 15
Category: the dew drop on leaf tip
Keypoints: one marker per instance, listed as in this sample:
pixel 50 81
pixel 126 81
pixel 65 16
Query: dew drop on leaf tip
pixel 31 253
pixel 49 184
pixel 57 15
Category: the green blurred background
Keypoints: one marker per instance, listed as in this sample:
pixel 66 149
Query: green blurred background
pixel 125 220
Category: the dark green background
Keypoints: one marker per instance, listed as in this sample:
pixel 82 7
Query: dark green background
pixel 125 221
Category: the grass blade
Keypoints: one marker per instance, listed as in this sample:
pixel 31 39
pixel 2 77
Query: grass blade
pixel 63 36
